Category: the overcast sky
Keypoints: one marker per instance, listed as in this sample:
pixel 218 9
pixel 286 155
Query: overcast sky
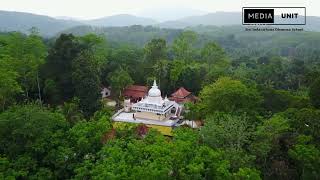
pixel 89 9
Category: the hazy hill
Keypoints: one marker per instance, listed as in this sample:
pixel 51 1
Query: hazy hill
pixel 313 23
pixel 19 21
pixel 121 20
pixel 234 39
pixel 217 19
pixel 162 14
pixel 227 19
pixel 48 26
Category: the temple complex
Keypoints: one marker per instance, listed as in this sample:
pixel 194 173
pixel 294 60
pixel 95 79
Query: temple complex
pixel 152 109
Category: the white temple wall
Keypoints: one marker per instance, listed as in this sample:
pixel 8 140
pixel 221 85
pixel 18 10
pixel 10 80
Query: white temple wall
pixel 148 115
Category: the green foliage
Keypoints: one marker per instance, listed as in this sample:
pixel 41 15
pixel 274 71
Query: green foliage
pixel 217 71
pixel 230 133
pixel 270 144
pixel 71 111
pixel 304 121
pixel 29 127
pixel 176 70
pixel 86 136
pixel 9 87
pixel 155 50
pixel 85 77
pixel 192 111
pixel 271 130
pixel 38 143
pixel 6 169
pixel 156 157
pixel 244 73
pixel 315 93
pixel 247 173
pixel 32 137
pixel 98 45
pixel 212 53
pixel 128 58
pixel 271 72
pixel 280 100
pixel 161 72
pixel 307 157
pixel 23 55
pixel 58 67
pixel 227 95
pixel 242 137
pixel 225 131
pixel 119 80
pixel 191 77
pixel 73 69
pixel 51 92
pixel 183 46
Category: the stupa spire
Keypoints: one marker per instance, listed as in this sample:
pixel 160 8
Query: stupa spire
pixel 154 83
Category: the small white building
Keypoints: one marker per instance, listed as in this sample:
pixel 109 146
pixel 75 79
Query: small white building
pixel 105 92
pixel 153 110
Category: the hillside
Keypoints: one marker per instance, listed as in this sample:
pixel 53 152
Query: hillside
pixel 121 20
pixel 217 19
pixel 49 26
pixel 19 21
pixel 226 19
pixel 234 39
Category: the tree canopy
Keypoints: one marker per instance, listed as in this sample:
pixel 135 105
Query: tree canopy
pixel 257 100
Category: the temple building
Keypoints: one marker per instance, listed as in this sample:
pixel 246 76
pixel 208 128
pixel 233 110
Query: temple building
pixel 182 96
pixel 152 109
pixel 154 106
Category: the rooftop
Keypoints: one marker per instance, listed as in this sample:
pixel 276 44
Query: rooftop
pixel 181 93
pixel 135 91
pixel 137 88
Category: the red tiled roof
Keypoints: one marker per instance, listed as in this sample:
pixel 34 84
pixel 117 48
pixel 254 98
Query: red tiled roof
pixel 137 88
pixel 180 100
pixel 134 94
pixel 135 91
pixel 181 93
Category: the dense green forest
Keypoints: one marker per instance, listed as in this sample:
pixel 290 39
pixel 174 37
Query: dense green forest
pixel 259 98
pixel 234 39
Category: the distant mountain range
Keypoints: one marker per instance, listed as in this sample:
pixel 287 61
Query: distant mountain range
pixel 49 26
pixel 215 19
pixel 121 20
pixel 162 14
pixel 19 21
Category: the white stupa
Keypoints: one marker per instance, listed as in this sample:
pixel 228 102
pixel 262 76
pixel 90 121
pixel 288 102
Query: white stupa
pixel 155 104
